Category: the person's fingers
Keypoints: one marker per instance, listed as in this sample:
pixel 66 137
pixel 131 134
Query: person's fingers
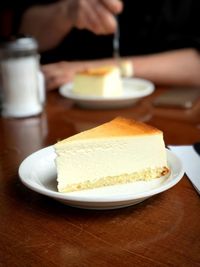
pixel 48 68
pixel 106 19
pixel 59 73
pixel 55 83
pixel 87 17
pixel 56 74
pixel 54 69
pixel 95 16
pixel 114 6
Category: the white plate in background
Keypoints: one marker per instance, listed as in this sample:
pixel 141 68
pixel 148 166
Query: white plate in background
pixel 38 172
pixel 133 90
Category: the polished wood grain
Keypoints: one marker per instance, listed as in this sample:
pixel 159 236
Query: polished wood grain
pixel 38 231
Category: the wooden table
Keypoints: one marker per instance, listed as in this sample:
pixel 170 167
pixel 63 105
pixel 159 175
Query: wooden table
pixel 38 231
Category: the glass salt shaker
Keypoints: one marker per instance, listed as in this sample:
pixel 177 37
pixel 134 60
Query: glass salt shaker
pixel 22 83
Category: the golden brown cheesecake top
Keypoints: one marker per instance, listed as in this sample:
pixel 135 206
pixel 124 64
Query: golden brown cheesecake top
pixel 99 71
pixel 118 127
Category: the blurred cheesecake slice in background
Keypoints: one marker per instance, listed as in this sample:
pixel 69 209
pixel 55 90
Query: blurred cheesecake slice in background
pixel 101 82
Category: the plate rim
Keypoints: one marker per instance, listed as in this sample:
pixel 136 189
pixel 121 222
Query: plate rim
pixel 67 86
pixel 105 199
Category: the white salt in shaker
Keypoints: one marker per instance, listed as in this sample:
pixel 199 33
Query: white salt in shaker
pixel 22 84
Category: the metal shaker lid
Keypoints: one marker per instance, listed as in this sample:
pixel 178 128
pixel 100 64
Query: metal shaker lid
pixel 18 46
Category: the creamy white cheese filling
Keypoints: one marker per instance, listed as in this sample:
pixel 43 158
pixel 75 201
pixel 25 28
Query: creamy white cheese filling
pixel 83 160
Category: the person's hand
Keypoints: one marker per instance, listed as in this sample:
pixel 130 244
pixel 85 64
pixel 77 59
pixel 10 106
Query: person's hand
pixel 49 24
pixel 57 74
pixel 98 16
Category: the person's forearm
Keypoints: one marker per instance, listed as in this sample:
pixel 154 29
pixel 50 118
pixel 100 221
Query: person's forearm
pixel 173 68
pixel 180 67
pixel 48 24
pixel 177 67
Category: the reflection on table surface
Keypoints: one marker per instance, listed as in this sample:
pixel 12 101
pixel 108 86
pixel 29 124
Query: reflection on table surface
pixel 38 231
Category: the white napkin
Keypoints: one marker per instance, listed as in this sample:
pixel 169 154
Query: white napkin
pixel 191 163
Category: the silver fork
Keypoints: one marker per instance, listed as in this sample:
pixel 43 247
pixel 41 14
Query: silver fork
pixel 116 43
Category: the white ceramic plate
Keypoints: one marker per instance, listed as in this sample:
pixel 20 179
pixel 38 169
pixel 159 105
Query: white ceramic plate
pixel 38 172
pixel 133 90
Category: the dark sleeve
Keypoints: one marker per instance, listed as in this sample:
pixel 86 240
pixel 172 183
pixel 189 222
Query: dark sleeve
pixel 183 20
pixel 155 26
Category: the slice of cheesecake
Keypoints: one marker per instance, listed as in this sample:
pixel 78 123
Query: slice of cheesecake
pixel 101 81
pixel 119 151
